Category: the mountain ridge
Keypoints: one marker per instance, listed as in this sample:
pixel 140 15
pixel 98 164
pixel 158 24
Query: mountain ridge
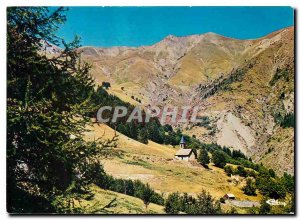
pixel 229 79
pixel 184 36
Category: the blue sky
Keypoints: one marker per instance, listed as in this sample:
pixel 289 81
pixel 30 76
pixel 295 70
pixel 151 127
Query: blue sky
pixel 136 26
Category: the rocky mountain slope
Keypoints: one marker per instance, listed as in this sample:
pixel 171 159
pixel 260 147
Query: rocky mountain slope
pixel 244 88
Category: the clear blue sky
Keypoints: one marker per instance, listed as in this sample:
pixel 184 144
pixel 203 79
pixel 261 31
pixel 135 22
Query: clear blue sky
pixel 136 26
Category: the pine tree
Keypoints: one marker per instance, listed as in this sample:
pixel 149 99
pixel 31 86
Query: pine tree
pixel 48 103
pixel 203 204
pixel 272 173
pixel 219 158
pixel 143 136
pixel 147 193
pixel 173 205
pixel 203 158
pixel 206 204
pixel 249 188
pixel 264 208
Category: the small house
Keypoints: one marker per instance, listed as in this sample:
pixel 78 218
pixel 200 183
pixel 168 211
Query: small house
pixel 186 154
pixel 229 196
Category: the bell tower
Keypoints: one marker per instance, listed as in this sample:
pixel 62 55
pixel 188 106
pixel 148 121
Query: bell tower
pixel 182 143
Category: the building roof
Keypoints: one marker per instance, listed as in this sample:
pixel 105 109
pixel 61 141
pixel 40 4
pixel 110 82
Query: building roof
pixel 230 195
pixel 182 141
pixel 184 152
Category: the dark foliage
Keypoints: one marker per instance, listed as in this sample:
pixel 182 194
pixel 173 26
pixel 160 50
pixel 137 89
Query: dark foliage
pixel 264 208
pixel 203 204
pixel 203 158
pixel 285 120
pixel 279 74
pixel 219 158
pixel 250 188
pixel 48 162
pixel 129 187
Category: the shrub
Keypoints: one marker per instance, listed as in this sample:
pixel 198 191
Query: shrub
pixel 265 208
pixel 133 188
pixel 229 170
pixel 219 158
pixel 203 204
pixel 250 188
pixel 203 158
pixel 222 200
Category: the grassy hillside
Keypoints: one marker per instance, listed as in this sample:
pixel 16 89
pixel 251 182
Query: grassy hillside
pixel 154 164
pixel 279 147
pixel 108 202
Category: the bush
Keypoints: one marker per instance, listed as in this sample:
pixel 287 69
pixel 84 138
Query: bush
pixel 285 120
pixel 270 187
pixel 250 188
pixel 241 171
pixel 272 173
pixel 288 121
pixel 229 170
pixel 222 200
pixel 219 158
pixel 265 208
pixel 279 74
pixel 203 204
pixel 133 188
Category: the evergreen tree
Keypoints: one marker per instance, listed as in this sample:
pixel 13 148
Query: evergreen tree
pixel 250 188
pixel 219 158
pixel 270 187
pixel 238 154
pixel 147 193
pixel 264 208
pixel 203 204
pixel 155 134
pixel 173 205
pixel 206 205
pixel 241 171
pixel 227 151
pixel 203 158
pixel 289 183
pixel 143 136
pixel 48 102
pixel 168 128
pixel 272 173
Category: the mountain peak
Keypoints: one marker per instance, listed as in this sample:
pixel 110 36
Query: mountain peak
pixel 171 37
pixel 210 34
